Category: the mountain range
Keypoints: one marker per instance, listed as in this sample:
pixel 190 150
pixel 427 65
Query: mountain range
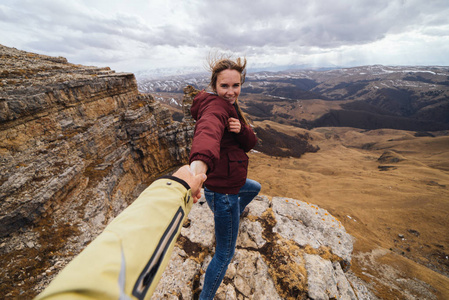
pixel 367 97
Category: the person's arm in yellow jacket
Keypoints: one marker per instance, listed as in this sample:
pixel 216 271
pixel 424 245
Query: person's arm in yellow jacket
pixel 127 259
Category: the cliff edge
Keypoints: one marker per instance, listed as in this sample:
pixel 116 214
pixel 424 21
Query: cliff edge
pixel 77 144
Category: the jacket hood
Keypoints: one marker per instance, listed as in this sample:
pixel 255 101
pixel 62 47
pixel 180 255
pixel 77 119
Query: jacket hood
pixel 202 100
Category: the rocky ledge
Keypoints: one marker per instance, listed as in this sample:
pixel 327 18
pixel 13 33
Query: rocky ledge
pixel 286 249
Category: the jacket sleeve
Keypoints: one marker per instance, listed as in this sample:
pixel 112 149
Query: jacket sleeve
pixel 209 131
pixel 246 138
pixel 127 259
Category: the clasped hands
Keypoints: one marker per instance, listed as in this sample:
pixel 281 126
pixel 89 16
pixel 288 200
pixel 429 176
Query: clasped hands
pixel 195 181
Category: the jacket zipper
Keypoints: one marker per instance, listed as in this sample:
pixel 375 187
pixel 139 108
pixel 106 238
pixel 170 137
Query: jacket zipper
pixel 149 272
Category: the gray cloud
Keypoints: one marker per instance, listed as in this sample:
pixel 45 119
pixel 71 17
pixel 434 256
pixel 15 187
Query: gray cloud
pixel 318 23
pixel 164 33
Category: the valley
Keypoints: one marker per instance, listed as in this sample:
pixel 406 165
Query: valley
pixel 389 188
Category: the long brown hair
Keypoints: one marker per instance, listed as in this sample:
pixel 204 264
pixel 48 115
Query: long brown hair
pixel 217 65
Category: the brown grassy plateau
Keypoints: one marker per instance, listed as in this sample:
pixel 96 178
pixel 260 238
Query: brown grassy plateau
pixel 397 208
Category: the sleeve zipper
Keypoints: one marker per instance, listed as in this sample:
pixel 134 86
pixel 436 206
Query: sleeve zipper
pixel 149 272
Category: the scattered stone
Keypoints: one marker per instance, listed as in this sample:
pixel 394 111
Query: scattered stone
pixel 386 168
pixel 434 183
pixel 414 232
pixel 389 157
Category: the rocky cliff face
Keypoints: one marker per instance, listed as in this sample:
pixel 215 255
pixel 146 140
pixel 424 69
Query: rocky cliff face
pixel 77 145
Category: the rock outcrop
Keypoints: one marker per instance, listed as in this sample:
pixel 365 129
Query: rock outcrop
pixel 77 145
pixel 286 249
pixel 189 94
pixel 64 126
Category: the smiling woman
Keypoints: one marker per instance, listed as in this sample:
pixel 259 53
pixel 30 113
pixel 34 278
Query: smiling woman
pixel 222 138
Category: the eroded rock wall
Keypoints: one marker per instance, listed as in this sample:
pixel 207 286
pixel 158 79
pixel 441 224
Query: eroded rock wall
pixel 77 144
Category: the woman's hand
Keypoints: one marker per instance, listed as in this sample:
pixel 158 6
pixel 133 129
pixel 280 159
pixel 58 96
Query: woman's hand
pixel 198 167
pixel 234 125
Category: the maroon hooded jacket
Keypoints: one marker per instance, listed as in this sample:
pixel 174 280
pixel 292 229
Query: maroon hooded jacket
pixel 223 151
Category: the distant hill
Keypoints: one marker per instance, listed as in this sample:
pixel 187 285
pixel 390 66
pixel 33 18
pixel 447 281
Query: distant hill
pixel 368 97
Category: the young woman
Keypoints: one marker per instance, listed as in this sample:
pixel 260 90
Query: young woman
pixel 222 138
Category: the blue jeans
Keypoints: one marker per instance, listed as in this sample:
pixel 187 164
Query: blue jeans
pixel 227 209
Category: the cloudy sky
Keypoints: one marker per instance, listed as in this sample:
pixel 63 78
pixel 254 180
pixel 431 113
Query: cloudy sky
pixel 149 34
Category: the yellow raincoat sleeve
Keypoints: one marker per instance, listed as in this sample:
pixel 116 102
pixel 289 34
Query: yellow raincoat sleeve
pixel 127 259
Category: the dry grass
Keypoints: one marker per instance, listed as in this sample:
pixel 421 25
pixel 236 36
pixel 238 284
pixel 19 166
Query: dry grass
pixel 402 210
